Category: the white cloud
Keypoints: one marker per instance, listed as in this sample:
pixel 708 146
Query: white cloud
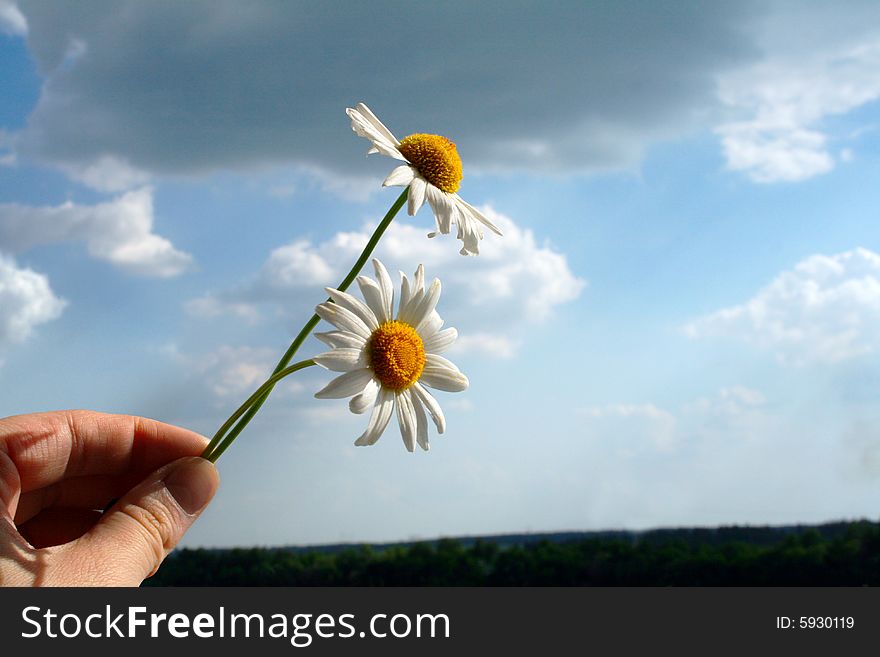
pixel 119 231
pixel 826 309
pixel 731 401
pixel 784 100
pixel 737 67
pixel 296 265
pixel 12 21
pixel 233 372
pixel 26 301
pixel 515 281
pixel 771 153
pixel 199 106
pixel 209 307
pixel 734 412
pixel 108 173
pixel 512 275
pixel 485 344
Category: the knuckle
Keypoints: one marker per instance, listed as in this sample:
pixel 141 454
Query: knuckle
pixel 157 526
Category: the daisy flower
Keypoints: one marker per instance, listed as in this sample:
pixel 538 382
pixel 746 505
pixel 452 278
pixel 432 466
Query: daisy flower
pixel 432 172
pixel 388 361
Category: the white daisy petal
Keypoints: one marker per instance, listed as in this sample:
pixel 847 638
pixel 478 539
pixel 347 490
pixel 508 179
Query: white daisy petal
pixel 435 360
pixel 419 280
pixel 405 313
pixel 386 285
pixel 342 360
pixel 379 143
pixel 442 377
pixel 356 348
pixel 447 207
pixel 358 307
pixel 432 405
pixel 342 318
pixel 345 385
pixel 421 314
pixel 386 149
pixel 468 234
pixel 379 418
pixel 431 325
pixel 421 422
pixel 405 292
pixel 416 199
pixel 341 339
pixel 416 291
pixel 445 380
pixel 400 177
pixel 479 216
pixel 360 403
pixel 365 124
pixel 368 115
pixel 406 417
pixel 372 294
pixel 443 208
pixel 441 341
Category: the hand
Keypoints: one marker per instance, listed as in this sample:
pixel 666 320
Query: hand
pixel 58 470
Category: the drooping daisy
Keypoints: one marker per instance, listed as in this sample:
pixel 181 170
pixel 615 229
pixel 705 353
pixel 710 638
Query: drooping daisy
pixel 388 361
pixel 432 172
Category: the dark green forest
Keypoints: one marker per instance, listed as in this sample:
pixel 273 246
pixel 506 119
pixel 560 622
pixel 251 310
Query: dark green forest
pixel 835 554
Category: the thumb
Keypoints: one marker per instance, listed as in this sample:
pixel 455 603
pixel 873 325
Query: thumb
pixel 130 541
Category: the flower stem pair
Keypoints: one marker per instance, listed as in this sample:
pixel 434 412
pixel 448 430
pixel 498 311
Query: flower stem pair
pixel 243 415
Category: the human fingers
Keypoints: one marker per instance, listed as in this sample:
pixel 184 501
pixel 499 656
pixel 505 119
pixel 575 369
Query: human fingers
pixel 57 526
pixel 90 492
pixel 130 541
pixel 48 447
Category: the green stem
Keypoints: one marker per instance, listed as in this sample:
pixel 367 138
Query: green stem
pixel 246 411
pixel 262 390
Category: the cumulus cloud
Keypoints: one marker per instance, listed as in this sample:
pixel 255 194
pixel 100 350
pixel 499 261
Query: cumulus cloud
pixel 731 401
pixel 209 307
pixel 296 264
pixel 515 281
pixel 276 97
pixel 12 21
pixel 539 87
pixel 119 231
pixel 825 310
pixel 231 372
pixel 734 412
pixel 107 173
pixel 782 101
pixel 26 301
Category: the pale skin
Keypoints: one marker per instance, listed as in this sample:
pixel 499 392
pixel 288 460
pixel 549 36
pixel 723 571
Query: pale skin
pixel 59 471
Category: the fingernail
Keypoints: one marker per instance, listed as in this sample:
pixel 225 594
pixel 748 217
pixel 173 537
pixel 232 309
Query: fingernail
pixel 192 483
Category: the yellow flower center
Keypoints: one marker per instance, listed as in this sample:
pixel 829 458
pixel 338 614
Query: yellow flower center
pixel 397 355
pixel 436 159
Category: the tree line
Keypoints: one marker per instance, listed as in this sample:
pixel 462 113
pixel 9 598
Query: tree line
pixel 842 554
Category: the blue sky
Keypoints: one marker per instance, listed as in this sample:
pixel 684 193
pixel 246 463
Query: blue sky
pixel 679 326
